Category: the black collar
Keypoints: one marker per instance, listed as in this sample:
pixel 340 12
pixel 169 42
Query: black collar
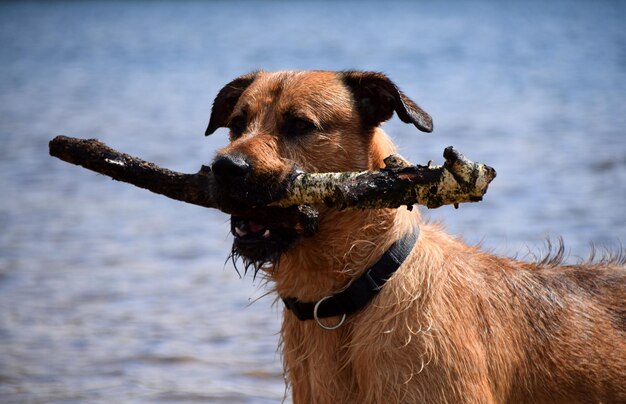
pixel 360 292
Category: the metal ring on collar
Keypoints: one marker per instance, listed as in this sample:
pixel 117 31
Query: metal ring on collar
pixel 317 319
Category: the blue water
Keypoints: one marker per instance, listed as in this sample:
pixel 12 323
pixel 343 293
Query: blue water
pixel 111 293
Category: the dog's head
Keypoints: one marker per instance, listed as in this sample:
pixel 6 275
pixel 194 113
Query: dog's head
pixel 316 121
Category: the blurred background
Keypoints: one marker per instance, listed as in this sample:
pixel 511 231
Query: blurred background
pixel 111 293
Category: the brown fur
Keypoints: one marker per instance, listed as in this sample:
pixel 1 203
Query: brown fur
pixel 454 324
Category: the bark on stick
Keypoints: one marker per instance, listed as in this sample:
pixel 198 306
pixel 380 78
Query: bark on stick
pixel 197 189
pixel 458 180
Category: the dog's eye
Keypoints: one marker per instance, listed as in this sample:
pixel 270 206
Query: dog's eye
pixel 237 125
pixel 298 126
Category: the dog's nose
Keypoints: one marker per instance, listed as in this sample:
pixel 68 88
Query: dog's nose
pixel 230 166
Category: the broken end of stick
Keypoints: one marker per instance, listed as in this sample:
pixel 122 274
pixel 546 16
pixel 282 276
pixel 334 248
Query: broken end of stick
pixel 458 164
pixel 56 145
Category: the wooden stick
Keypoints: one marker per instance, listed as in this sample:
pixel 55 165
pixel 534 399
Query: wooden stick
pixel 458 180
pixel 197 189
pixel 399 183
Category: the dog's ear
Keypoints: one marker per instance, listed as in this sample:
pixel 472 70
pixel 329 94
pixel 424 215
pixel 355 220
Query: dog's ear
pixel 225 101
pixel 377 97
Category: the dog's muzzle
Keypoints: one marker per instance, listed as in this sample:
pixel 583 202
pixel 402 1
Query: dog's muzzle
pixel 261 234
pixel 240 188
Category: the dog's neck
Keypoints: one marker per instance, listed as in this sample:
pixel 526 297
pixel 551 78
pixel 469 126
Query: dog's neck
pixel 347 243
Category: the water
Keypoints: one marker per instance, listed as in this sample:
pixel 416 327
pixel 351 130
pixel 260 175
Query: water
pixel 110 293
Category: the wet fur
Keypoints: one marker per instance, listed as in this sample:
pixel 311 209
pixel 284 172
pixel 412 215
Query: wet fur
pixel 454 324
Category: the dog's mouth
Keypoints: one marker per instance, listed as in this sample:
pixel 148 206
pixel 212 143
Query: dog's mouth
pixel 260 244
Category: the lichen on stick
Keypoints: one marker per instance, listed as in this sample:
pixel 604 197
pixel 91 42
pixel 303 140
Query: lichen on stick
pixel 458 180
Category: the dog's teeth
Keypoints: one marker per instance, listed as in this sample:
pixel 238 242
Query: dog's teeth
pixel 266 234
pixel 240 232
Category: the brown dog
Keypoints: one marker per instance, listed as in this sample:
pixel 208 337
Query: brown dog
pixel 386 319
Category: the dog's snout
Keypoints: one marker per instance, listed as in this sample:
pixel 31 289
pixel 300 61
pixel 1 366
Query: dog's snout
pixel 229 166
